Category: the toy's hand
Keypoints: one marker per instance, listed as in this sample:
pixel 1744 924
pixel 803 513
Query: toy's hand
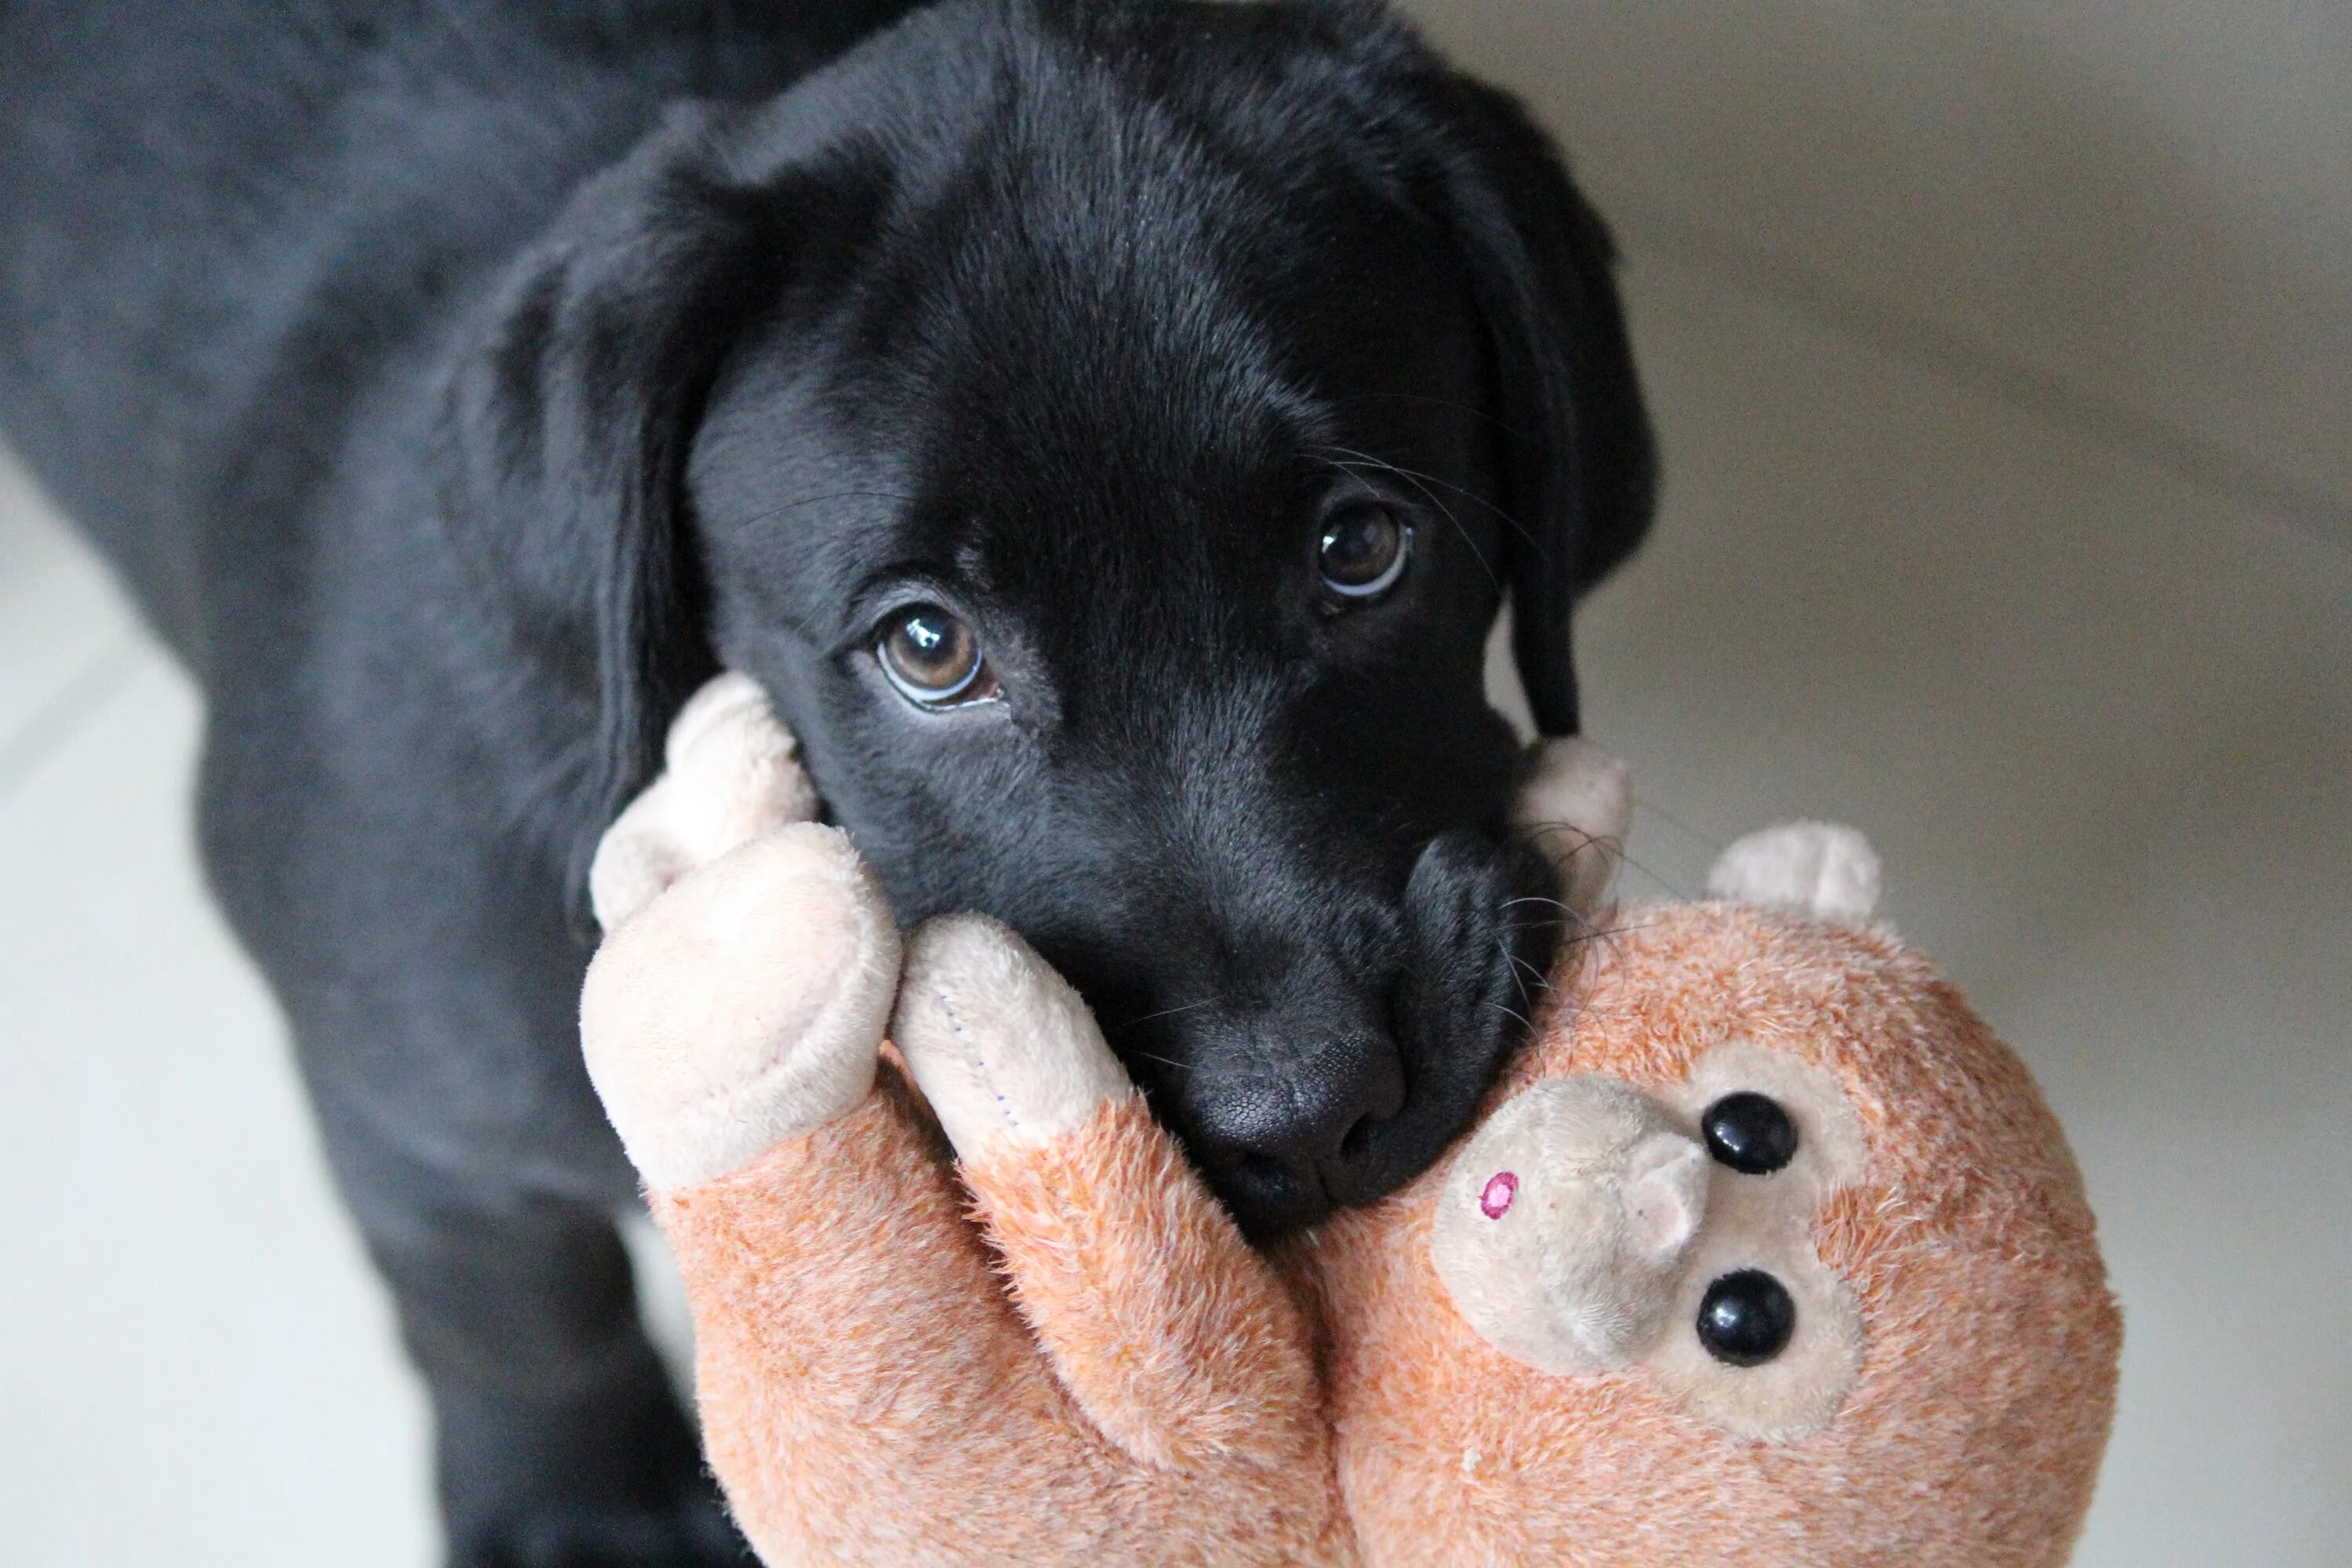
pixel 1818 868
pixel 1174 1338
pixel 1001 1046
pixel 730 772
pixel 1577 806
pixel 742 993
pixel 742 1007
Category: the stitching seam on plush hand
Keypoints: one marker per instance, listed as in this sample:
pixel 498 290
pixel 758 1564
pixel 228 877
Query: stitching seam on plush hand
pixel 972 1055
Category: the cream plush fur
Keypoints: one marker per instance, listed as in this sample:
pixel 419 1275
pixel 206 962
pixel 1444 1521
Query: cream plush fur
pixel 1577 1273
pixel 746 1015
pixel 1058 1351
pixel 967 982
pixel 1819 868
pixel 730 774
pixel 1578 806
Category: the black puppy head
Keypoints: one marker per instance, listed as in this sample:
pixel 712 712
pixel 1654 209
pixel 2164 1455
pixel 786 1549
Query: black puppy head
pixel 1109 431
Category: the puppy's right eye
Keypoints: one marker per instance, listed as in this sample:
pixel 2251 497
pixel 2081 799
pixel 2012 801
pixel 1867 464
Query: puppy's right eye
pixel 934 659
pixel 1364 552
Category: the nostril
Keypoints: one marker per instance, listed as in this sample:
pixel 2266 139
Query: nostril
pixel 1259 1170
pixel 1370 1090
pixel 1309 1119
pixel 1314 1125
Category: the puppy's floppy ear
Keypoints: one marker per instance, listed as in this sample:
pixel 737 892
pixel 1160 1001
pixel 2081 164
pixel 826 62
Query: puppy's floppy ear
pixel 565 429
pixel 1580 462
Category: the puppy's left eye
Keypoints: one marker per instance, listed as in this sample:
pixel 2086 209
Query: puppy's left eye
pixel 934 658
pixel 1365 549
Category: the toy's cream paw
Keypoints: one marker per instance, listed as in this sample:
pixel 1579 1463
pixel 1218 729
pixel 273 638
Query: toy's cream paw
pixel 998 1042
pixel 1818 868
pixel 1577 806
pixel 743 1008
pixel 730 772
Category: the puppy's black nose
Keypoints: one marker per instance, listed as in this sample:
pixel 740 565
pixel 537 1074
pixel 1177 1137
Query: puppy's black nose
pixel 1352 1073
pixel 1296 1127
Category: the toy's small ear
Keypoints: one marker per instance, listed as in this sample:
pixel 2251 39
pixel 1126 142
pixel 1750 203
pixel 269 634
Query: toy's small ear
pixel 1818 868
pixel 731 772
pixel 1577 806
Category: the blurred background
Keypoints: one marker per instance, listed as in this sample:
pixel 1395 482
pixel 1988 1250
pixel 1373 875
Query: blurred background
pixel 2003 355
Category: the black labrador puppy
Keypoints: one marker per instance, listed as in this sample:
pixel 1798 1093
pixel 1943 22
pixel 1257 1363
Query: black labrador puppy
pixel 1107 428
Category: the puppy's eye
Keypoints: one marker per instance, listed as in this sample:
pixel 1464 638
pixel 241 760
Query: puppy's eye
pixel 1746 1319
pixel 933 659
pixel 1365 549
pixel 1751 1133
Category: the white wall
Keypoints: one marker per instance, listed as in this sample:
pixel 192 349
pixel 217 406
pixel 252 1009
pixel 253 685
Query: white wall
pixel 2138 213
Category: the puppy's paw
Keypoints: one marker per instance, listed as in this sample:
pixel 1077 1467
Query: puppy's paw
pixel 743 1008
pixel 696 1533
pixel 998 1042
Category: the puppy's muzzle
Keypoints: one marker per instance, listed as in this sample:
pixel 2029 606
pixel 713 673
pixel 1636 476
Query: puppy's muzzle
pixel 1367 1063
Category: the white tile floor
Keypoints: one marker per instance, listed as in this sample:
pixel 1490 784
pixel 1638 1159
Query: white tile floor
pixel 2095 718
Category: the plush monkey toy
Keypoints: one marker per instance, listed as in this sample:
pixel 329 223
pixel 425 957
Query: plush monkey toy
pixel 1764 1252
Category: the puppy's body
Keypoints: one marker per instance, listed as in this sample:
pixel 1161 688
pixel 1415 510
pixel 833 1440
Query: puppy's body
pixel 455 390
pixel 241 243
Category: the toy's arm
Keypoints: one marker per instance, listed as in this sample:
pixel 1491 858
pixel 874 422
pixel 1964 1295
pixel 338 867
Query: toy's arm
pixel 1177 1340
pixel 868 1392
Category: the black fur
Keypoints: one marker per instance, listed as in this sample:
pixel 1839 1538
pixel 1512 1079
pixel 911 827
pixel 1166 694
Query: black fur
pixel 458 385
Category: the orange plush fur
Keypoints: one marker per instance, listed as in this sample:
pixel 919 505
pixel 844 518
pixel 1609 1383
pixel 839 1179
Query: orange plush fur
pixel 870 1391
pixel 1059 1351
pixel 1972 1436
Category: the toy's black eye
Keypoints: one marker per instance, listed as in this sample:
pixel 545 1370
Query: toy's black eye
pixel 1365 549
pixel 933 659
pixel 1751 1133
pixel 1746 1319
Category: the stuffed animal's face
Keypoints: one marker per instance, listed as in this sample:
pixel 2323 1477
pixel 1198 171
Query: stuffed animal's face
pixel 1768 1252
